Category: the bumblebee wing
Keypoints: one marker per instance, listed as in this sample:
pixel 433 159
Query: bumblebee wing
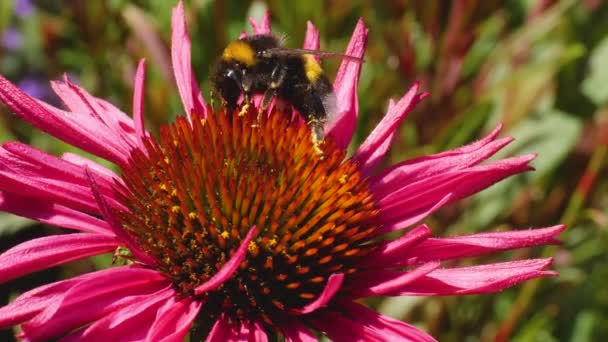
pixel 330 105
pixel 322 54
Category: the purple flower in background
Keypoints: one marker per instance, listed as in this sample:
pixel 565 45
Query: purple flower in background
pixel 34 88
pixel 12 39
pixel 23 8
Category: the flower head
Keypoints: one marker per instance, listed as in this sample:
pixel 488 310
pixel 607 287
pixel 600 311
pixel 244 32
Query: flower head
pixel 235 227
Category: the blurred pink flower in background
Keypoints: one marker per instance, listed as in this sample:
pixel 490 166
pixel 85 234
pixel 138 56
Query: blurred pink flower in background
pixel 237 232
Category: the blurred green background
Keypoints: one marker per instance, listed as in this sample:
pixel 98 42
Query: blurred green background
pixel 538 66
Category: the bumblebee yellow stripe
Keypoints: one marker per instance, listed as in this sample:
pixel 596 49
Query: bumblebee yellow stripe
pixel 312 68
pixel 239 51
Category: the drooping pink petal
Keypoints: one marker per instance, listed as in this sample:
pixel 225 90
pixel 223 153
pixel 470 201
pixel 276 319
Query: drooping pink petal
pixel 355 322
pixel 257 332
pixel 381 323
pixel 51 213
pixel 243 332
pixel 221 330
pixel 41 253
pixel 51 190
pixel 294 331
pixel 369 154
pixel 263 27
pixel 229 267
pixel 129 323
pixel 187 84
pixel 31 162
pixel 406 217
pixel 342 126
pixel 97 168
pixel 478 244
pixel 79 131
pixel 476 279
pixel 32 302
pixel 432 165
pixel 115 225
pixel 110 122
pixel 92 299
pixel 381 282
pixel 235 332
pixel 311 40
pixel 173 320
pixel 425 193
pixel 138 99
pixel 107 116
pixel 389 252
pixel 331 288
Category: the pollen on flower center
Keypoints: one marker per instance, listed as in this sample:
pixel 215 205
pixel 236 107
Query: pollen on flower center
pixel 194 194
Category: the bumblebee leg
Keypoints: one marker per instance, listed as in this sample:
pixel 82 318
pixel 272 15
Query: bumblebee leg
pixel 317 134
pixel 246 104
pixel 268 96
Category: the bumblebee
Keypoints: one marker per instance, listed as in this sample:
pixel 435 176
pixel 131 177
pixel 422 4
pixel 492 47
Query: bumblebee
pixel 259 64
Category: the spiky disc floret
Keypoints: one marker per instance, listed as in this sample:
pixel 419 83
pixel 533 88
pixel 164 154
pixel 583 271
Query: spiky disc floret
pixel 194 194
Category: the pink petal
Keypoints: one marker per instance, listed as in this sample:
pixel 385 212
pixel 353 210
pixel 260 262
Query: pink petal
pixel 221 330
pixel 381 282
pixel 342 127
pixel 377 156
pixel 358 323
pixel 474 145
pixel 389 252
pixel 173 320
pixel 31 162
pixel 53 191
pixel 229 267
pixel 311 40
pixel 130 323
pixel 49 177
pixel 294 331
pixel 369 154
pixel 138 99
pixel 115 225
pixel 331 288
pixel 103 171
pixel 432 165
pixel 80 102
pixel 478 244
pixel 257 332
pixel 42 253
pixel 75 130
pixel 113 126
pixel 408 217
pixel 182 64
pixel 476 279
pixel 243 333
pixel 425 193
pixel 94 298
pixel 32 302
pixel 263 27
pixel 406 332
pixel 53 214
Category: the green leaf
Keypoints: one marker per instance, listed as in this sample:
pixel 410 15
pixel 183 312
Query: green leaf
pixel 551 134
pixel 583 327
pixel 11 224
pixel 594 86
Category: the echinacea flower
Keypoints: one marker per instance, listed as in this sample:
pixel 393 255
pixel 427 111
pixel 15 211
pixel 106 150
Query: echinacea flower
pixel 236 229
